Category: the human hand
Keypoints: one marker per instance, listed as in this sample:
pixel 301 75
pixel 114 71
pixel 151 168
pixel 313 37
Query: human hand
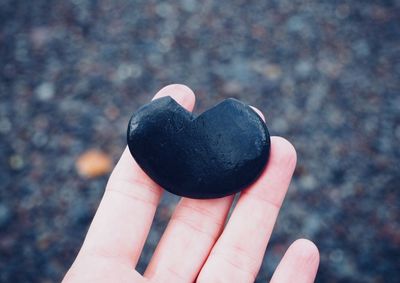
pixel 197 245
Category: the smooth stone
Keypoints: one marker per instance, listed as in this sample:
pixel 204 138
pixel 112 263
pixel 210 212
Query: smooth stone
pixel 218 153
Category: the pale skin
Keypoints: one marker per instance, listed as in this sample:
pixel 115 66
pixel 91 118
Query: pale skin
pixel 199 244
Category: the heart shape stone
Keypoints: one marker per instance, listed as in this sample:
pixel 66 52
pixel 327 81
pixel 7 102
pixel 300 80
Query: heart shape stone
pixel 215 154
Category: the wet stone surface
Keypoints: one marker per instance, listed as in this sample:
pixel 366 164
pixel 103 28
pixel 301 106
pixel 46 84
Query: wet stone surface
pixel 215 154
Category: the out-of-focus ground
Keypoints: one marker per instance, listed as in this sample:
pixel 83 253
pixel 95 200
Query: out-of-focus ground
pixel 325 74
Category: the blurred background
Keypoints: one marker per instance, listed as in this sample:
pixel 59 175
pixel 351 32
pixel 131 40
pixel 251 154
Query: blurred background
pixel 325 74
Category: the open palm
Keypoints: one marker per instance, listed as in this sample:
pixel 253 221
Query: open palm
pixel 198 244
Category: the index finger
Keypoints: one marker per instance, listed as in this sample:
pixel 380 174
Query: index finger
pixel 123 219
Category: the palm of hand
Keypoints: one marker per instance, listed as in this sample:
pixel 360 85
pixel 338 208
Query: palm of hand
pixel 197 245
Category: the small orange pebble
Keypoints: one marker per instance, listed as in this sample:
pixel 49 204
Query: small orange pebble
pixel 93 163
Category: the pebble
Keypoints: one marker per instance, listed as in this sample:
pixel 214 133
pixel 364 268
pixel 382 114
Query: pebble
pixel 93 163
pixel 5 215
pixel 16 162
pixel 215 154
pixel 45 91
pixel 5 125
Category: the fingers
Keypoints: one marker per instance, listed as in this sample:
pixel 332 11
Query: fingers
pixel 188 239
pixel 238 253
pixel 299 264
pixel 123 219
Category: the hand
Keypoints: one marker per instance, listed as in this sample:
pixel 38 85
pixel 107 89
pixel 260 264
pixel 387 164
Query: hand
pixel 196 245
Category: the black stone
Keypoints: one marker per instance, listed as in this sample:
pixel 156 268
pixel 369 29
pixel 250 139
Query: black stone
pixel 216 154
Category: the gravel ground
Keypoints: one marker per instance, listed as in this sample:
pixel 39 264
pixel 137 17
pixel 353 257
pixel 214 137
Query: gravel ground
pixel 325 73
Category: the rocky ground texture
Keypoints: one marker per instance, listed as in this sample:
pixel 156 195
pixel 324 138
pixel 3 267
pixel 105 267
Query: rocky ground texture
pixel 325 74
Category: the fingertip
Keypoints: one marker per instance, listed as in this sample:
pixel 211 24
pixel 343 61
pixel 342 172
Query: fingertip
pixel 284 151
pixel 180 93
pixel 305 250
pixel 299 264
pixel 258 111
